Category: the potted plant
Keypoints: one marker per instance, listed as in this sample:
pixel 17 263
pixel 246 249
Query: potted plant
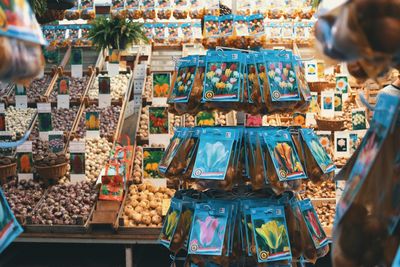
pixel 115 34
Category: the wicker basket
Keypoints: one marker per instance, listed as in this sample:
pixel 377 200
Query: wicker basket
pixel 321 86
pixel 330 125
pixel 52 172
pixel 7 171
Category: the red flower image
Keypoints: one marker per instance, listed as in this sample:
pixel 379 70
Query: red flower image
pixel 223 66
pixel 233 67
pixel 213 67
pixel 224 78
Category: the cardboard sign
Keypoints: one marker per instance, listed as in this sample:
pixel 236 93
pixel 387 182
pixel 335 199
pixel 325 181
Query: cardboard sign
pixel 25 161
pixel 21 99
pixel 6 136
pixel 104 92
pixel 45 120
pixel 92 124
pixel 76 61
pixel 77 161
pixel 327 104
pixel 63 84
pixel 338 103
pixel 342 144
pixel 358 119
pixel 311 71
pixel 56 141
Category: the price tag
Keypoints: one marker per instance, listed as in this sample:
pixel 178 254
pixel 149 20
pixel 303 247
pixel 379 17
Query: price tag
pixel 21 99
pixel 45 121
pixel 104 92
pixel 25 161
pixel 63 92
pixel 92 123
pixel 56 141
pixel 77 161
pixel 166 203
pixel 76 63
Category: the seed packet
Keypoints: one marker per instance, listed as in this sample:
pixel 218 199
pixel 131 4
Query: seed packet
pixel 274 31
pixel 9 226
pixel 73 13
pixel 206 118
pixel 133 9
pixel 197 31
pixel 244 7
pixel 338 103
pixel 184 79
pixel 166 237
pixel 222 82
pixel 253 84
pixel 208 229
pixel 241 26
pixel 149 30
pixel 212 8
pixel 287 30
pixel 160 33
pixel 286 162
pixel 226 25
pixel 187 32
pixel 173 33
pixel 180 11
pixel 270 234
pixel 319 165
pixel 313 225
pixel 214 154
pixel 257 166
pixel 304 89
pixel 186 155
pixel 151 159
pixel 164 13
pixel 87 10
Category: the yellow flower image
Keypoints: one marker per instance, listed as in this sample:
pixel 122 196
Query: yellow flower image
pixel 272 233
pixel 146 154
pixel 338 101
pixel 210 74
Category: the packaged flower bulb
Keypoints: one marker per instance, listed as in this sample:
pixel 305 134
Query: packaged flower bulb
pixel 209 228
pixel 211 31
pixel 319 165
pixel 73 13
pixel 148 7
pixel 270 222
pixel 253 84
pixel 160 33
pixel 224 78
pixel 179 136
pixel 215 157
pixel 240 38
pixel 187 33
pixel 196 9
pixel 173 33
pixel 304 104
pixel 287 31
pixel 180 9
pixel 314 240
pixel 87 10
pixel 276 9
pixel 20 41
pixel 367 213
pixel 283 93
pixel 148 29
pixel 256 31
pixel 244 7
pixel 133 9
pixel 118 9
pixel 164 9
pixel 197 32
pixel 284 168
pixel 274 31
pixel 212 8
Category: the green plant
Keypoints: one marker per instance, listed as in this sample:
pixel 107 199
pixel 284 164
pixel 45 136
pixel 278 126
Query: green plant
pixel 116 33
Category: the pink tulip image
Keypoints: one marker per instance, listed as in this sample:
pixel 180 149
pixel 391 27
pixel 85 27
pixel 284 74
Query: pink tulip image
pixel 207 230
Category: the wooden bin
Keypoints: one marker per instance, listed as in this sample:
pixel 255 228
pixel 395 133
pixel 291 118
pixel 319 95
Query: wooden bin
pixel 7 171
pixel 330 125
pixel 52 172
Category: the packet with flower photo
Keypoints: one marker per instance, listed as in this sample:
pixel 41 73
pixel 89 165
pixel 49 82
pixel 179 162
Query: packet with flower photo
pixel 173 147
pixel 208 229
pixel 261 67
pixel 319 165
pixel 160 33
pixel 226 25
pixel 211 27
pixel 187 32
pixel 240 26
pixel 342 144
pixel 151 159
pixel 253 83
pixel 282 151
pixel 173 33
pixel 358 119
pixel 183 83
pixel 148 30
pixel 223 78
pixel 214 154
pixel 172 217
pixel 270 234
pixel 305 91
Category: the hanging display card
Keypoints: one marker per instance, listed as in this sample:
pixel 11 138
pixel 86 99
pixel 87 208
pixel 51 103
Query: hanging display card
pixel 77 161
pixel 92 124
pixel 342 144
pixel 2 118
pixel 56 141
pixel 104 92
pixel 358 119
pixel 25 161
pixel 21 99
pixel 76 61
pixel 45 122
pixel 338 103
pixel 161 87
pixel 327 105
pixel 63 84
